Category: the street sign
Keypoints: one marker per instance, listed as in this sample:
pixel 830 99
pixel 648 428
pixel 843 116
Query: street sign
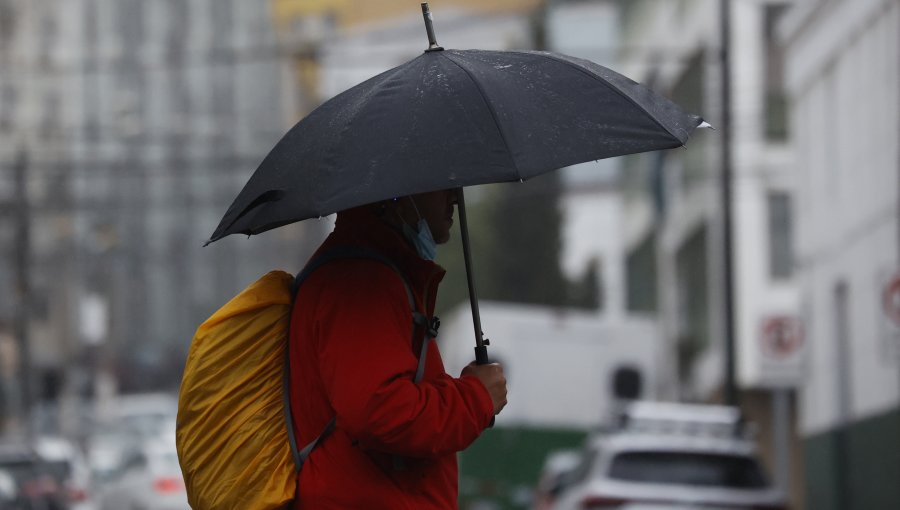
pixel 890 299
pixel 888 286
pixel 782 337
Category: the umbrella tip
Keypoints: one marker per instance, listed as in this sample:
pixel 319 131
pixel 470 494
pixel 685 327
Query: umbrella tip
pixel 429 29
pixel 705 125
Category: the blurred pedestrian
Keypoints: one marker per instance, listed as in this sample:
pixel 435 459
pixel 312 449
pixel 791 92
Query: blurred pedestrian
pixel 355 355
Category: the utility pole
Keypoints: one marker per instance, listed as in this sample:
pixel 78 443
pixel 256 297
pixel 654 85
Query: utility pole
pixel 22 317
pixel 731 394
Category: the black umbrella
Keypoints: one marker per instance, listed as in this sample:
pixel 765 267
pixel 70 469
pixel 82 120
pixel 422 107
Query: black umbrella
pixel 448 119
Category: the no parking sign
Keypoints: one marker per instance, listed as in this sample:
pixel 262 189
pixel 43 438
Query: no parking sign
pixel 782 337
pixel 781 351
pixel 890 299
pixel 890 306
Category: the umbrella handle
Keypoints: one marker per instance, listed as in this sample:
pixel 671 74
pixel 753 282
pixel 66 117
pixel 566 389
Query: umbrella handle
pixel 481 355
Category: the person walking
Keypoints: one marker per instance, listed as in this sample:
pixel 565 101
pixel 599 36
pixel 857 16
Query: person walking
pixel 355 355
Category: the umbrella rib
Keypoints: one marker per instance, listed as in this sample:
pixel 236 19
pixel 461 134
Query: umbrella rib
pixel 490 109
pixel 608 85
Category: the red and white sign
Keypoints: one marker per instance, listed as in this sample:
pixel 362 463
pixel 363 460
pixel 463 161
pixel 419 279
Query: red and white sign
pixel 782 337
pixel 888 285
pixel 890 299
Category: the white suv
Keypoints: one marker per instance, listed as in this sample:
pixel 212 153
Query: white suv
pixel 670 456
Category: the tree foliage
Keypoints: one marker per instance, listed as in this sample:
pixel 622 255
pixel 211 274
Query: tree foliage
pixel 515 232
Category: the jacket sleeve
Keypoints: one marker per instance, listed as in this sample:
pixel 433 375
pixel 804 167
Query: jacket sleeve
pixel 367 364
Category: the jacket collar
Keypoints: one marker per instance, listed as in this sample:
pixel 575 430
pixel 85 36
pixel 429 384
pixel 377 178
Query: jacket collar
pixel 363 228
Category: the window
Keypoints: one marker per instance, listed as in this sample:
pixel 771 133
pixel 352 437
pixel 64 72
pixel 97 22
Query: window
pixel 130 23
pixel 8 104
pixel 776 122
pixel 686 468
pixel 641 275
pixel 781 252
pixel 692 268
pixel 8 22
pixel 582 470
pixel 52 106
pixel 48 33
pixel 178 24
pixel 689 92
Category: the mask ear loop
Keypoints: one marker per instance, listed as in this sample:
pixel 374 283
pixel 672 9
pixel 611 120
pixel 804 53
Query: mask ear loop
pixel 415 208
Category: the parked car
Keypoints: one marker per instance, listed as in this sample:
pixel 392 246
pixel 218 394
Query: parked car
pixel 123 422
pixel 671 456
pixel 150 479
pixel 554 476
pixel 67 464
pixel 140 414
pixel 34 486
pixel 107 451
pixel 9 490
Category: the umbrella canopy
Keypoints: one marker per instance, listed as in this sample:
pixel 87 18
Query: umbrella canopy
pixel 448 119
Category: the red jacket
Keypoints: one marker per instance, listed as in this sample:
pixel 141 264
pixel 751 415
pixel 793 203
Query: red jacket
pixel 353 356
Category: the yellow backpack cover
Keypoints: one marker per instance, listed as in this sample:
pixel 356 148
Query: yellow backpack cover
pixel 231 436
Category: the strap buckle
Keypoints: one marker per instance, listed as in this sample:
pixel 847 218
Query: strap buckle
pixel 431 325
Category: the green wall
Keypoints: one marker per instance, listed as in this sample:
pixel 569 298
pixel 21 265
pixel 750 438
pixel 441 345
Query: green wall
pixel 504 464
pixel 855 467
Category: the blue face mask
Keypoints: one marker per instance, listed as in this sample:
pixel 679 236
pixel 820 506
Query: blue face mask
pixel 421 240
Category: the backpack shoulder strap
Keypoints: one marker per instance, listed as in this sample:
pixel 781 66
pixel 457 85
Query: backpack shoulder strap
pixel 347 252
pixel 351 252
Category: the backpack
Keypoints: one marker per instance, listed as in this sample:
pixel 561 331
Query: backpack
pixel 234 430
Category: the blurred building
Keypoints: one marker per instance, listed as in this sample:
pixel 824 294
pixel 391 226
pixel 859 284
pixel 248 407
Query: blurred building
pixel 137 123
pixel 673 214
pixel 338 43
pixel 843 74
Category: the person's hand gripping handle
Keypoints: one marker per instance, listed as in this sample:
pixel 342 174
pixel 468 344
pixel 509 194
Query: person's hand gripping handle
pixel 492 377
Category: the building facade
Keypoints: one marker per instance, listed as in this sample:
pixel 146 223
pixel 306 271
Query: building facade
pixel 843 76
pixel 674 227
pixel 138 122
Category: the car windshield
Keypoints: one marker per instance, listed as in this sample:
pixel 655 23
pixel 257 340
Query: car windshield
pixel 60 469
pixel 167 461
pixel 20 469
pixel 684 468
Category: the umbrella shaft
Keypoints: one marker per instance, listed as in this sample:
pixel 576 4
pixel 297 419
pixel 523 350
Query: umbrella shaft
pixel 429 26
pixel 480 348
pixel 429 29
